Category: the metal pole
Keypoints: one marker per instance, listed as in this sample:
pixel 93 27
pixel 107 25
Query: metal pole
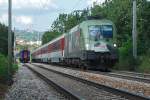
pixel 9 37
pixel 134 30
pixel 14 46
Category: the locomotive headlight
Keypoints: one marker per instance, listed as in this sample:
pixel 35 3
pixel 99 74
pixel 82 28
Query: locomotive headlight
pixel 115 45
pixel 87 46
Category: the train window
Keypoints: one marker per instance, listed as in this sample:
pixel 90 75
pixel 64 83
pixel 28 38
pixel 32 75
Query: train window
pixel 95 32
pixel 98 32
pixel 107 31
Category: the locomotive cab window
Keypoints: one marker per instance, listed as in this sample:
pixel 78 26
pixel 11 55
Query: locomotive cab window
pixel 107 31
pixel 95 32
pixel 98 32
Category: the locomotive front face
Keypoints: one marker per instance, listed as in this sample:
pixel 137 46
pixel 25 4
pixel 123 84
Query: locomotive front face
pixel 99 41
pixel 98 34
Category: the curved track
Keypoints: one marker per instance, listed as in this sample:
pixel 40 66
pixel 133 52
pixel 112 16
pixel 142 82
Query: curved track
pixel 129 77
pixel 125 75
pixel 139 77
pixel 135 74
pixel 118 92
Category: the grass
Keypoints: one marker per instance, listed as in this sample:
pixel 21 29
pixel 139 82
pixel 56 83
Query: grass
pixel 145 65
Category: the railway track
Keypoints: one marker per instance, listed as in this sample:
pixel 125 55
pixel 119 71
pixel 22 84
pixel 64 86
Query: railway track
pixel 119 94
pixel 59 88
pixel 139 77
pixel 143 75
pixel 128 76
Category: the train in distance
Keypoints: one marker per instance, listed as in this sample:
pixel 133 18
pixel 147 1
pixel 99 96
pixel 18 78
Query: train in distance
pixel 90 44
pixel 24 56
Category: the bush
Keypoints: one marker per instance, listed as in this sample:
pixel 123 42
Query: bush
pixel 3 68
pixel 14 68
pixel 145 64
pixel 126 60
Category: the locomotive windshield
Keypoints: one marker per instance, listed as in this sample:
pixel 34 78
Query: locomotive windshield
pixel 107 31
pixel 98 32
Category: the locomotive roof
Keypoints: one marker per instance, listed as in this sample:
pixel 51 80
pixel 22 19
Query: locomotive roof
pixel 102 21
pixel 96 21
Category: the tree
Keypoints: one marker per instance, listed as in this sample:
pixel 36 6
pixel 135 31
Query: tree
pixel 3 39
pixel 63 24
pixel 67 21
pixel 49 35
pixel 143 27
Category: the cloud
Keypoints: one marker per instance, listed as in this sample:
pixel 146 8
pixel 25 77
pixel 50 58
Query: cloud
pixel 29 7
pixel 4 18
pixel 3 1
pixel 23 4
pixel 90 2
pixel 24 20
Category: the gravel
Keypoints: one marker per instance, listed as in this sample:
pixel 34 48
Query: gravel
pixel 139 88
pixel 84 91
pixel 27 86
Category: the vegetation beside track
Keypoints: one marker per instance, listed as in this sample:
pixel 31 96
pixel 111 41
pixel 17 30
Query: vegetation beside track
pixel 145 64
pixel 4 61
pixel 4 75
pixel 4 69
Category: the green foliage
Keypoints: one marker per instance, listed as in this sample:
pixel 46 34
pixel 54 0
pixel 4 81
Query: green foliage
pixel 3 39
pixel 14 68
pixel 67 21
pixel 126 60
pixel 145 62
pixel 49 35
pixel 126 50
pixel 63 24
pixel 3 67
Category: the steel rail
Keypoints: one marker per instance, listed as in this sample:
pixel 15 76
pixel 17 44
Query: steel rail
pixel 133 78
pixel 68 93
pixel 145 75
pixel 117 74
pixel 122 93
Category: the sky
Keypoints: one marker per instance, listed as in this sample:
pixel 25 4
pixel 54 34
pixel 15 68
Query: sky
pixel 39 14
